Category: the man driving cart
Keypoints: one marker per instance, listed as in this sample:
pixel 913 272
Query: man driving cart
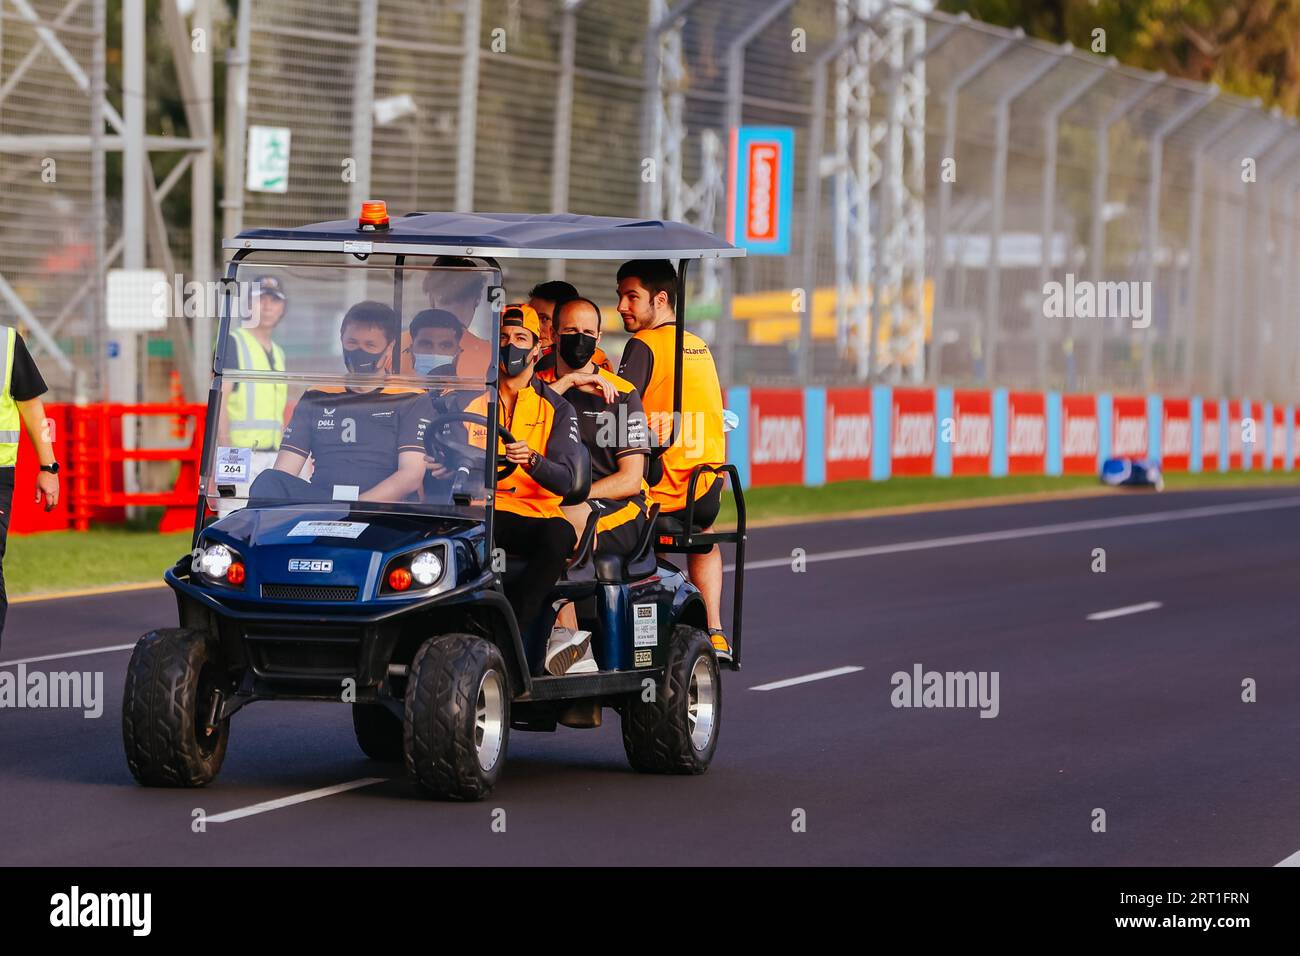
pixel 549 458
pixel 367 443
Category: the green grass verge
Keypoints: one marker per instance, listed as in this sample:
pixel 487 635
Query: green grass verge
pixel 795 501
pixel 64 560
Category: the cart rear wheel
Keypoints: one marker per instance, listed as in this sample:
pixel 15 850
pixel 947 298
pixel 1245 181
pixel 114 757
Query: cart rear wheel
pixel 677 730
pixel 172 686
pixel 457 722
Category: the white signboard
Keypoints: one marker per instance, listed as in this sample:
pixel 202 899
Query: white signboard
pixel 268 159
pixel 327 529
pixel 137 300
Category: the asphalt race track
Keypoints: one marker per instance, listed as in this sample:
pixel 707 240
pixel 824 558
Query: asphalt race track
pixel 1139 714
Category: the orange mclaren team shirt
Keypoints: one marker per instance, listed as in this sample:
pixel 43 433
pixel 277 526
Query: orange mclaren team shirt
pixel 548 424
pixel 648 365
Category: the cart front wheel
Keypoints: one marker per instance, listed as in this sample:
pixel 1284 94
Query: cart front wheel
pixel 172 690
pixel 457 721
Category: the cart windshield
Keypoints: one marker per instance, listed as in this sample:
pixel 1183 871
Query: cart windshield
pixel 344 381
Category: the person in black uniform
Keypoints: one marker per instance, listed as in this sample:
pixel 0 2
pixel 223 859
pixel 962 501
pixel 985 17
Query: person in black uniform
pixel 367 443
pixel 613 426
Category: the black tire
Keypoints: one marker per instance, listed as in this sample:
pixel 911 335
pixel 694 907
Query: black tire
pixel 447 752
pixel 169 685
pixel 658 734
pixel 379 732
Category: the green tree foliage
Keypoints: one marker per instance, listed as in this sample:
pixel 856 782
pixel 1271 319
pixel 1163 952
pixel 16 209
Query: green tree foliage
pixel 1247 47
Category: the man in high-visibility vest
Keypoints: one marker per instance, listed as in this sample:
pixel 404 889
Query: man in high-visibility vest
pixel 253 415
pixel 21 388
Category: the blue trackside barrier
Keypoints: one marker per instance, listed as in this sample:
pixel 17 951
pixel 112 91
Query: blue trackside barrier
pixel 973 428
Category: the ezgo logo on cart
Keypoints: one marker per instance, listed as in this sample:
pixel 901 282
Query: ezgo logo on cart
pixel 76 909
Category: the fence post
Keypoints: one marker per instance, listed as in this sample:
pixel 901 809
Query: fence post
pixel 1100 182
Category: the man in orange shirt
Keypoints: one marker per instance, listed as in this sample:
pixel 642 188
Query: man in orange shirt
pixel 646 289
pixel 550 460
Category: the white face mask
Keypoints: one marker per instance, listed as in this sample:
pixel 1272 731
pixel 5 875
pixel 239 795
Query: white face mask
pixel 425 362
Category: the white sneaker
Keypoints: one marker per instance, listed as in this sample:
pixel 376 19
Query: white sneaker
pixel 565 647
pixel 586 664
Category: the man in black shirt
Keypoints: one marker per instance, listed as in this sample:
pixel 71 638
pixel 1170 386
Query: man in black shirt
pixel 21 388
pixel 367 443
pixel 612 424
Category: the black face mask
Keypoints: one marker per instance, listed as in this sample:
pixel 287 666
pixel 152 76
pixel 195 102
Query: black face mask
pixel 514 359
pixel 577 348
pixel 361 362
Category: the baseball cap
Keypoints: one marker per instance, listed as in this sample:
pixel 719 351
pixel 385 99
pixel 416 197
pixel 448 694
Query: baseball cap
pixel 270 285
pixel 524 315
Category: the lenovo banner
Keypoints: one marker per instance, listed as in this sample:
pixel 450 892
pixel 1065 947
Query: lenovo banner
pixel 1080 434
pixel 1026 433
pixel 970 432
pixel 1235 443
pixel 776 436
pixel 1128 432
pixel 1211 435
pixel 848 434
pixel 1277 438
pixel 1176 434
pixel 912 431
pixel 760 189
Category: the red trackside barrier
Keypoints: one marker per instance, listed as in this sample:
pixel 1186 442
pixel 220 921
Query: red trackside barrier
pixel 96 455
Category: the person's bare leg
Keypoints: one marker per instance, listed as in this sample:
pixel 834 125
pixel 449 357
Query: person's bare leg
pixel 705 571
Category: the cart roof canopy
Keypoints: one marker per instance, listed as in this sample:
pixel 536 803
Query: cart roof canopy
pixel 500 235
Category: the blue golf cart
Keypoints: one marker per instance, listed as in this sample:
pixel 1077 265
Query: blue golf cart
pixel 304 585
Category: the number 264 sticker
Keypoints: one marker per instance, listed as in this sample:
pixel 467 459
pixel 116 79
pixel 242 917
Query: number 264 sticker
pixel 233 464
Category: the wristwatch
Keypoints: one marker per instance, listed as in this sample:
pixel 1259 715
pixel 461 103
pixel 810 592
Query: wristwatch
pixel 52 468
pixel 532 461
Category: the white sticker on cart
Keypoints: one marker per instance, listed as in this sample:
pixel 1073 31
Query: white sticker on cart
pixel 645 625
pixel 328 529
pixel 233 464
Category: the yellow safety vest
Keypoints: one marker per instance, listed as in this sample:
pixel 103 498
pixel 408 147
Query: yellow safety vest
pixel 256 409
pixel 10 420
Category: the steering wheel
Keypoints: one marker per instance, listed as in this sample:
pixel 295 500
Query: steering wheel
pixel 441 444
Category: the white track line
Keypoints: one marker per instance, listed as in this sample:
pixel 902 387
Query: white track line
pixel 55 657
pixel 1036 531
pixel 1125 611
pixel 806 678
pixel 1292 860
pixel 296 798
